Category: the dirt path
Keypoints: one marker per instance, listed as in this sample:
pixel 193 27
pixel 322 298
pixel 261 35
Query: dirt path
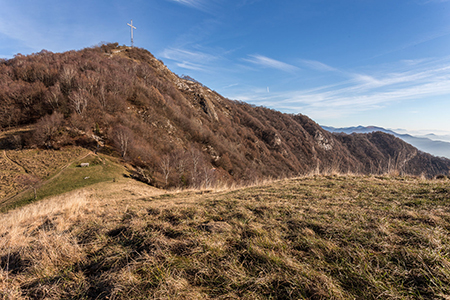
pixel 14 162
pixel 66 166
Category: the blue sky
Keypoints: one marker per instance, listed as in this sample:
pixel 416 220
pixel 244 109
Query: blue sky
pixel 342 63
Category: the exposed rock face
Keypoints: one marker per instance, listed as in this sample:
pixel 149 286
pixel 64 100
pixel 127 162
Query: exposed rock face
pixel 323 142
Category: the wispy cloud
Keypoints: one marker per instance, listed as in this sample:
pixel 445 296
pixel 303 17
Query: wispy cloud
pixel 317 65
pixel 435 1
pixel 361 92
pixel 25 26
pixel 179 54
pixel 208 6
pixel 267 62
pixel 230 85
pixel 191 59
pixel 192 66
pixel 28 33
pixel 248 2
pixel 413 62
pixel 198 4
pixel 422 40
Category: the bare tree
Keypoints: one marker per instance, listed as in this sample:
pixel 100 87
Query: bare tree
pixel 47 127
pixel 79 101
pixel 30 181
pixel 195 159
pixel 102 95
pixel 91 81
pixel 53 95
pixel 165 165
pixel 67 78
pixel 208 176
pixel 180 161
pixel 122 138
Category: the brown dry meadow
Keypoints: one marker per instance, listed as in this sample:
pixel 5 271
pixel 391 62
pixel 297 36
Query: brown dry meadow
pixel 317 237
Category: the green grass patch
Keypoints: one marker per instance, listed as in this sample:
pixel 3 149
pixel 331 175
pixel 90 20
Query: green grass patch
pixel 74 177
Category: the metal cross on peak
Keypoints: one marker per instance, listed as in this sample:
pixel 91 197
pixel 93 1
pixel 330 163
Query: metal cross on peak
pixel 132 27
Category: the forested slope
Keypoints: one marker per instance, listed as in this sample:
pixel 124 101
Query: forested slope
pixel 173 130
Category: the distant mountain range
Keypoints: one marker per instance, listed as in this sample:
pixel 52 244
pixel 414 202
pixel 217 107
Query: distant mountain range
pixel 438 145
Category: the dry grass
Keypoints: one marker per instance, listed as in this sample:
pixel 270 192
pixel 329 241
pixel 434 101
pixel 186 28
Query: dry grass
pixel 43 163
pixel 37 238
pixel 318 237
pixel 8 175
pixel 34 162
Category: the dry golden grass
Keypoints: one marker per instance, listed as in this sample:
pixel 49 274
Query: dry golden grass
pixel 39 237
pixel 318 237
pixel 36 237
pixel 8 175
pixel 43 163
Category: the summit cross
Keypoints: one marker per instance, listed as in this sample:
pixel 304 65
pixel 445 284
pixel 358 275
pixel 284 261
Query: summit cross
pixel 132 27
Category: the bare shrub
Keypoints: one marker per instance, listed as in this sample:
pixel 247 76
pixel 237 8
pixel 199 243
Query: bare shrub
pixel 47 127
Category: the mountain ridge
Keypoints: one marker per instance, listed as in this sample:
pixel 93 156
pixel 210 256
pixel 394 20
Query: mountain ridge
pixel 175 131
pixel 423 143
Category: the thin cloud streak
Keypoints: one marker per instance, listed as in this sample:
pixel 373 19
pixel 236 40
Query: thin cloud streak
pixel 265 61
pixel 317 65
pixel 196 60
pixel 192 66
pixel 28 33
pixel 178 54
pixel 198 4
pixel 33 34
pixel 207 6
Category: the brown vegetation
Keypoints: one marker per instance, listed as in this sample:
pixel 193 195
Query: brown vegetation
pixel 122 100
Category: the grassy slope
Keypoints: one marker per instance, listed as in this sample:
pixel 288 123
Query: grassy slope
pixel 36 163
pixel 316 237
pixel 74 177
pixel 57 172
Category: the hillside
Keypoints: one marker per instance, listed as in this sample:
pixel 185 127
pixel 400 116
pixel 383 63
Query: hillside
pixel 333 237
pixel 423 143
pixel 174 131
